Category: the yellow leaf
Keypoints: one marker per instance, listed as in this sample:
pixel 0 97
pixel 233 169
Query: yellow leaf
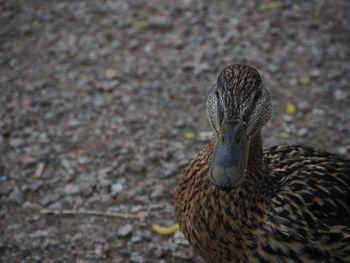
pixel 284 135
pixel 305 82
pixel 270 5
pixel 36 149
pixel 138 24
pixel 109 98
pixel 165 230
pixel 189 135
pixel 111 73
pixel 291 108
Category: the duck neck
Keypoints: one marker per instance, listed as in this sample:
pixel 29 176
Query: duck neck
pixel 257 172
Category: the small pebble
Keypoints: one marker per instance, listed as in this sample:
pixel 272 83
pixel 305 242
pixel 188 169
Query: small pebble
pixel 179 124
pixel 71 189
pixel 30 205
pixel 172 246
pixel 83 160
pixel 180 239
pixel 342 150
pixel 39 234
pixel 74 123
pixel 287 118
pixel 339 95
pixel 16 196
pixel 56 205
pixel 136 238
pixel 16 142
pixel 302 132
pixel 116 188
pixel 160 22
pixel 136 257
pixel 205 135
pixel 315 72
pixel 125 230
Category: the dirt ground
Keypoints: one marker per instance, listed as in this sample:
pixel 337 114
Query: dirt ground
pixel 103 103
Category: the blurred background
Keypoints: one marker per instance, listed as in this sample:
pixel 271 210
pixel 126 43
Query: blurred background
pixel 103 103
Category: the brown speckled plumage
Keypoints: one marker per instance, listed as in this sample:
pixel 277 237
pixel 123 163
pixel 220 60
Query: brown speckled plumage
pixel 292 206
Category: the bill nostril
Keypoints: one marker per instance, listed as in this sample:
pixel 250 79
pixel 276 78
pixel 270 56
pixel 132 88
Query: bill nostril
pixel 224 184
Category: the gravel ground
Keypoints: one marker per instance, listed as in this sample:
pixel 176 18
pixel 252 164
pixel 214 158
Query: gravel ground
pixel 103 103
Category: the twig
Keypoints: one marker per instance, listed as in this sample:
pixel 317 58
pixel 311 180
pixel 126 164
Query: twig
pixel 319 8
pixel 40 170
pixel 87 212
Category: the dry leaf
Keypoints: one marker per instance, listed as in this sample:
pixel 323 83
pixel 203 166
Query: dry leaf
pixel 39 170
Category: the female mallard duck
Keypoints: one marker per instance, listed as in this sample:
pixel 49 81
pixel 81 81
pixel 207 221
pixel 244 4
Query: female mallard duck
pixel 236 202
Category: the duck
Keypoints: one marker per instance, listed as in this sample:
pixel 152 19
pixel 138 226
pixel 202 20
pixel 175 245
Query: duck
pixel 239 202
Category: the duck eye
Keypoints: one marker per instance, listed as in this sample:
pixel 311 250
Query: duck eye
pixel 238 139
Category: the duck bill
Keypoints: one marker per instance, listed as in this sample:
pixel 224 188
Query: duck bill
pixel 230 157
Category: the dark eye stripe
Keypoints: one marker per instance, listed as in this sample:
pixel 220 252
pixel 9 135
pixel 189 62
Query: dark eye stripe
pixel 257 96
pixel 219 111
pixel 250 109
pixel 216 91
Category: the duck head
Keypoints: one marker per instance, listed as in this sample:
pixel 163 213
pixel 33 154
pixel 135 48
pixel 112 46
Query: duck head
pixel 238 107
